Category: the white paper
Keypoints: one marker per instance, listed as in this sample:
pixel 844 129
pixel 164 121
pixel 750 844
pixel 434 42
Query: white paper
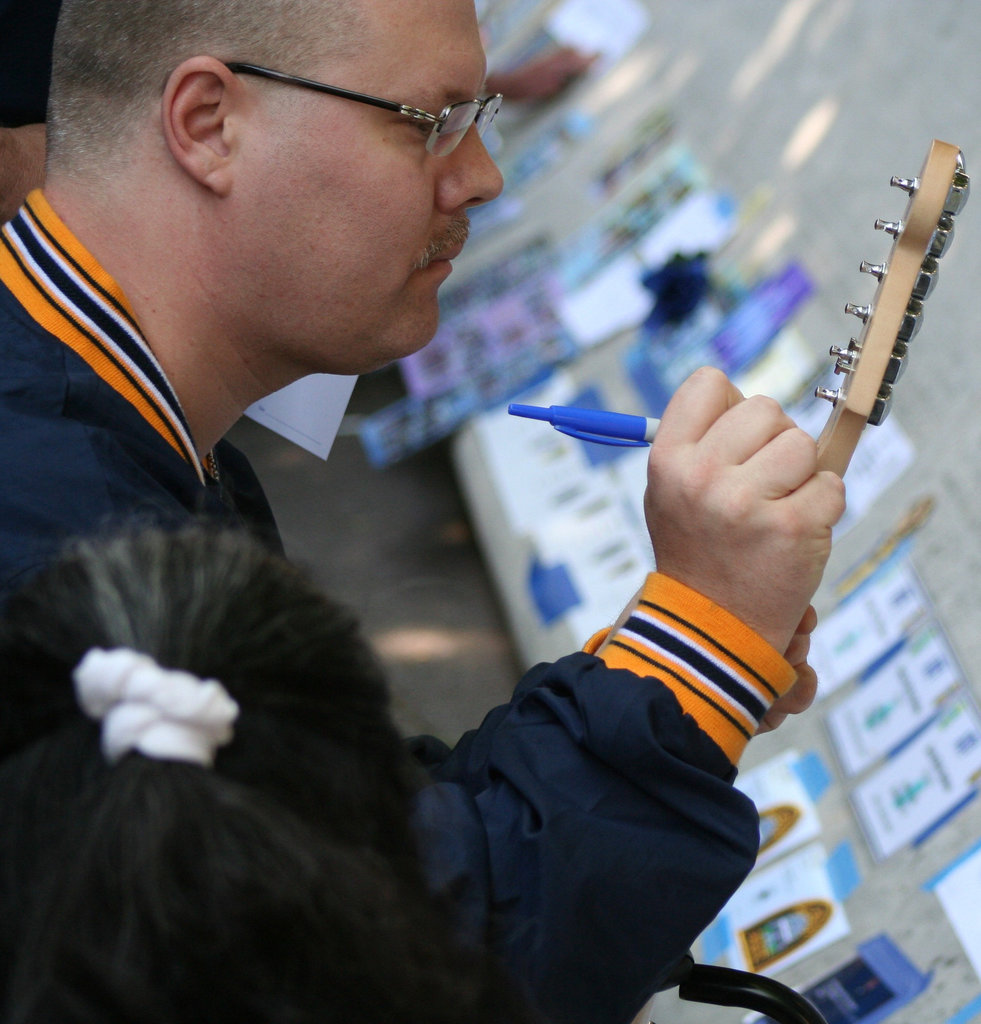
pixel 959 892
pixel 614 300
pixel 701 222
pixel 867 625
pixel 307 412
pixel 786 367
pixel 895 701
pixel 604 554
pixel 628 474
pixel 909 794
pixel 883 454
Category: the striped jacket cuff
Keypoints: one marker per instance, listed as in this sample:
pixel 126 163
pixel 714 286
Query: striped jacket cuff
pixel 723 673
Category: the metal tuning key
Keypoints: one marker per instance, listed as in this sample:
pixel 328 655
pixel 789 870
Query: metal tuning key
pixel 960 189
pixel 908 185
pixel 896 363
pixel 926 278
pixel 877 270
pixel 845 358
pixel 880 407
pixel 925 281
pixel 911 321
pixel 862 312
pixel 942 237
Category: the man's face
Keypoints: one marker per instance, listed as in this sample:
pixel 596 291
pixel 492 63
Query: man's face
pixel 355 222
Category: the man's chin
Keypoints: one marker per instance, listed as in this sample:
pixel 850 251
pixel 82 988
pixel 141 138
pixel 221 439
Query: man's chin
pixel 415 339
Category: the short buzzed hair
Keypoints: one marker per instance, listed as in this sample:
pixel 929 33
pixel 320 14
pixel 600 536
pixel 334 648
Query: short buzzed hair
pixel 113 56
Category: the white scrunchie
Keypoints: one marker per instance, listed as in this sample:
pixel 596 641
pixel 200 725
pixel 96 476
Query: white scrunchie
pixel 163 713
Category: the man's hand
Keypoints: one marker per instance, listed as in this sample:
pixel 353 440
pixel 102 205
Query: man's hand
pixel 736 508
pixel 801 695
pixel 21 166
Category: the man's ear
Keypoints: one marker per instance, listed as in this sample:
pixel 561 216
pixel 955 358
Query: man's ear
pixel 201 110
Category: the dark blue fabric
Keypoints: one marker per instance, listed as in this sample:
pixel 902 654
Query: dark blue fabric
pixel 26 34
pixel 589 831
pixel 76 458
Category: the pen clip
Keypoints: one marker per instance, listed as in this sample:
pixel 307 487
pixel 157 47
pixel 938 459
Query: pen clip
pixel 618 442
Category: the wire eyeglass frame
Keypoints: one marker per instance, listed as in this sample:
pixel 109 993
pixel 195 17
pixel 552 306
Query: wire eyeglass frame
pixel 448 128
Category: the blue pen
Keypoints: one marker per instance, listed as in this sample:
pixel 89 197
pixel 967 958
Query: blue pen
pixel 614 428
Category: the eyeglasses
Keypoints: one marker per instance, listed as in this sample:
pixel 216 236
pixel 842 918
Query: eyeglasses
pixel 448 128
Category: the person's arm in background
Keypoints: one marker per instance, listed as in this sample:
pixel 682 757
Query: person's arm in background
pixel 540 77
pixel 21 165
pixel 27 30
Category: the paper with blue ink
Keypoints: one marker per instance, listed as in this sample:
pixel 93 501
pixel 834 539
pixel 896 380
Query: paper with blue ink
pixel 867 626
pixel 913 793
pixel 895 701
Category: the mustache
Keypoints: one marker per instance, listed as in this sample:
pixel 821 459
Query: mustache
pixel 456 234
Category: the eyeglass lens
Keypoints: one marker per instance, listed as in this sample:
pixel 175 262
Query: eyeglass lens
pixel 461 116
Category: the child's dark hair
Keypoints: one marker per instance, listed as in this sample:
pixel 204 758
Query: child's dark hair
pixel 281 885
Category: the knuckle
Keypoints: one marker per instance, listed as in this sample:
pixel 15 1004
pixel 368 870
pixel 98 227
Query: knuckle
pixel 768 410
pixel 766 404
pixel 707 374
pixel 799 443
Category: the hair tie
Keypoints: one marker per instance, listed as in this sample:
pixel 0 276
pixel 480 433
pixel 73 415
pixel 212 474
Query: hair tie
pixel 163 713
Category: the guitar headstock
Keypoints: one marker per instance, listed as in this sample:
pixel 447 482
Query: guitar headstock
pixel 872 362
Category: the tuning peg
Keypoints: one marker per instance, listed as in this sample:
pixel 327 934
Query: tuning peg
pixel 896 363
pixel 908 185
pixel 925 281
pixel 862 312
pixel 845 358
pixel 891 227
pixel 942 237
pixel 912 319
pixel 877 270
pixel 881 405
pixel 960 189
pixel 926 278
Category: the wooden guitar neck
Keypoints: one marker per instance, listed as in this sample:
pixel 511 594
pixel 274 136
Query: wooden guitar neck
pixel 873 361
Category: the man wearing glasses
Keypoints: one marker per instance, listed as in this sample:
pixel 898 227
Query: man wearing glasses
pixel 240 193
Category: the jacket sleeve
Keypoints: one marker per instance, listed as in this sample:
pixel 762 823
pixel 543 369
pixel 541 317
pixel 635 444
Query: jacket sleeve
pixel 588 830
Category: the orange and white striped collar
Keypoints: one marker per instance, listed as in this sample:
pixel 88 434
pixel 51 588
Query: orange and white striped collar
pixel 63 288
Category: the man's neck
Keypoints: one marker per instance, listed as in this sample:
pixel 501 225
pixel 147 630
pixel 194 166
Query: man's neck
pixel 182 324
